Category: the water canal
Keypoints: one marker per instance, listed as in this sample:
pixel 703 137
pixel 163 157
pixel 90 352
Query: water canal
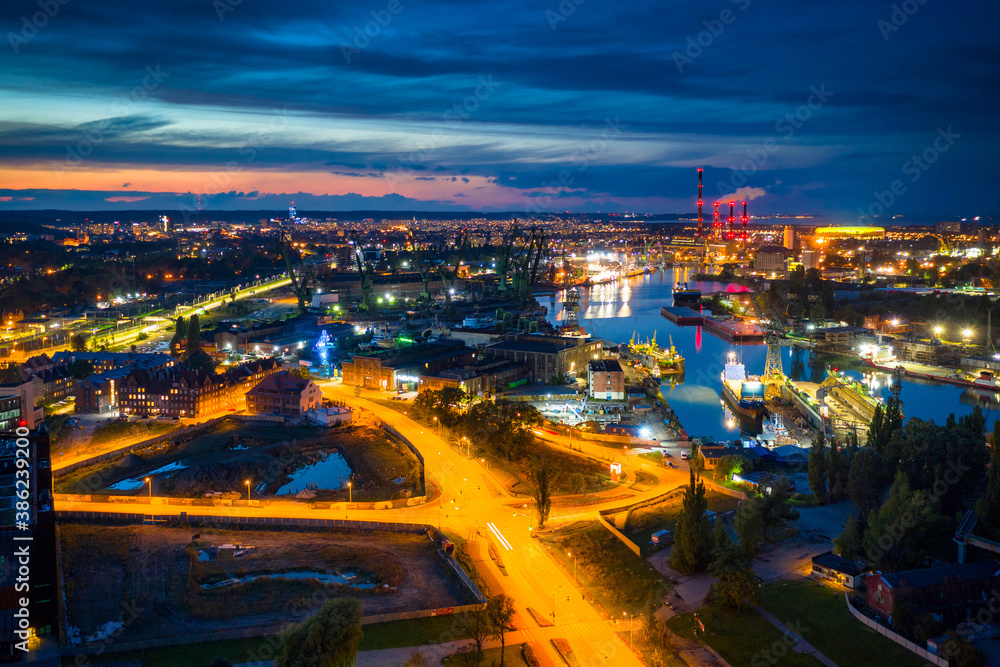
pixel 615 311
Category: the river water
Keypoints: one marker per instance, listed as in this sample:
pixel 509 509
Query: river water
pixel 615 311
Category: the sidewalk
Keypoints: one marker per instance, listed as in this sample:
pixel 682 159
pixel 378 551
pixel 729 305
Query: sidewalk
pixel 801 645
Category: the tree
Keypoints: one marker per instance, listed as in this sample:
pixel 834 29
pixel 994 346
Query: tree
pixel 81 369
pixel 78 342
pixel 850 543
pixel 817 468
pixel 749 524
pixel 903 531
pixel 864 480
pixel 180 333
pixel 193 336
pixel 736 585
pixel 476 626
pixel 541 475
pixel 988 507
pixel 817 312
pixel 329 638
pixel 692 550
pixel 731 464
pixel 696 460
pixel 773 507
pixel 501 611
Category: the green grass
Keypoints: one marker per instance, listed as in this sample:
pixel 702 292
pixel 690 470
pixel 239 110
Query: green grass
pixel 743 640
pixel 491 656
pixel 118 430
pixel 395 634
pixel 827 625
pixel 617 578
pixel 645 521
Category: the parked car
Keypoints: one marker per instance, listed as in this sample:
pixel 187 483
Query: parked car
pixel 684 456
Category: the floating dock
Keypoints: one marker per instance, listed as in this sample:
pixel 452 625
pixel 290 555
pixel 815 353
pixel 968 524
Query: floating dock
pixel 740 333
pixel 682 315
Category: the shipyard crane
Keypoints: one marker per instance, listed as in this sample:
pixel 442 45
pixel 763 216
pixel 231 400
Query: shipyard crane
pixel 426 269
pixel 366 270
pixel 300 278
pixel 506 246
pixel 448 276
pixel 774 327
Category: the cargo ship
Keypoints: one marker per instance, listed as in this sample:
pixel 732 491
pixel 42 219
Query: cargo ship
pixel 743 395
pixel 685 295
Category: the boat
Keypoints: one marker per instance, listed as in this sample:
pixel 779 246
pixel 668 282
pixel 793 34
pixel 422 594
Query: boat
pixel 684 294
pixel 986 382
pixel 776 434
pixel 744 395
pixel 667 362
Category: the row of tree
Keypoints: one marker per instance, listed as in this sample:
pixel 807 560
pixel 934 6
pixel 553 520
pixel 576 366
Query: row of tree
pixel 910 484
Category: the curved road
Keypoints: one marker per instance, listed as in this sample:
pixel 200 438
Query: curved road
pixel 467 506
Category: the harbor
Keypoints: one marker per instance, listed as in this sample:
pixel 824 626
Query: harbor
pixel 638 307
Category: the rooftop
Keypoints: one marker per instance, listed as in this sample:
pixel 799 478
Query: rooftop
pixel 605 366
pixel 937 576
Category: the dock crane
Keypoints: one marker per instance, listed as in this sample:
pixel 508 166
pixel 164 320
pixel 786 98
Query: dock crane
pixel 448 276
pixel 774 327
pixel 506 246
pixel 300 278
pixel 365 269
pixel 426 270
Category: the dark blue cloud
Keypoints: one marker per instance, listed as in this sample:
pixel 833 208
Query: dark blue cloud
pixel 520 96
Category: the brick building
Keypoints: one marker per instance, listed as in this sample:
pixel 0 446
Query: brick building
pixel 486 375
pixel 284 394
pixel 954 589
pixel 401 368
pixel 605 380
pixel 180 392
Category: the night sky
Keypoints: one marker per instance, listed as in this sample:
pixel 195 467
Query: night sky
pixel 501 105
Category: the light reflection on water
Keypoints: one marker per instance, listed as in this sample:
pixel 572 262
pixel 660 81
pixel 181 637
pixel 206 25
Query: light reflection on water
pixel 615 311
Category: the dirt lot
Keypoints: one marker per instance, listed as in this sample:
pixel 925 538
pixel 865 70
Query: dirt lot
pixel 222 459
pixel 151 578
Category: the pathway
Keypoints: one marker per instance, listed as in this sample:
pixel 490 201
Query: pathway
pixel 801 645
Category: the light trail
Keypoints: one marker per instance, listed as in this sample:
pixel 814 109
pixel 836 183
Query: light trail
pixel 500 537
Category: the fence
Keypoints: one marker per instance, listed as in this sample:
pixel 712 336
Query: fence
pixel 899 639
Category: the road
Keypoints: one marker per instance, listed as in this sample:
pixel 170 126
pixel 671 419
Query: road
pixel 468 508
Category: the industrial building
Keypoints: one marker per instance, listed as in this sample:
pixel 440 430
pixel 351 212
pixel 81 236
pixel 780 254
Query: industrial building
pixel 401 368
pixel 548 358
pixel 284 394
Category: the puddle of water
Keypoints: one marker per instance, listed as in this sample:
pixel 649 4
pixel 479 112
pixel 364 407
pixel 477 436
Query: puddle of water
pixel 139 482
pixel 330 473
pixel 322 577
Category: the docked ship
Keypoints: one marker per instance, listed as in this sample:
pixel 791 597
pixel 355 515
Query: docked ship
pixel 743 395
pixel 684 294
pixel 665 362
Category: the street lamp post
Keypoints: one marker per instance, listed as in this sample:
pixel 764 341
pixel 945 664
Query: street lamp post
pixel 575 580
pixel 149 481
pixel 630 617
pixel 248 490
pixel 350 496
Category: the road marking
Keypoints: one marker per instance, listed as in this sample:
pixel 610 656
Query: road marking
pixel 500 537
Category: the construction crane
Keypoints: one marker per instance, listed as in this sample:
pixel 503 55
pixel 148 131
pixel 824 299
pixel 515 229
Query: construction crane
pixel 366 270
pixel 300 278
